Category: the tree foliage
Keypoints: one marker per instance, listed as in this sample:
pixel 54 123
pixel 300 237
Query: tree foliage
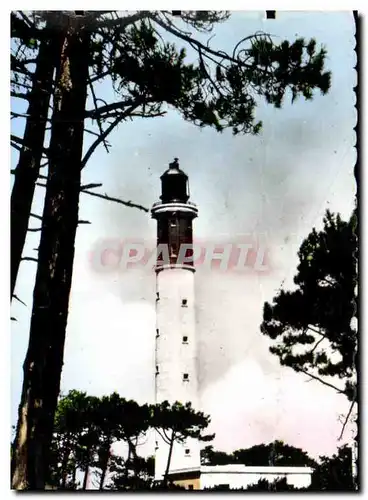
pixel 276 485
pixel 334 473
pixel 218 90
pixel 177 422
pixel 86 427
pixel 312 326
pixel 274 454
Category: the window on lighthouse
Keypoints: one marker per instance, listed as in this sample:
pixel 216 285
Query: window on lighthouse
pixel 185 339
pixel 186 377
pixel 184 303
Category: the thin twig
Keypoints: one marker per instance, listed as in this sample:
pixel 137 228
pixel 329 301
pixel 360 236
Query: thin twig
pixel 90 186
pixel 317 344
pixel 18 299
pixel 15 146
pixel 102 110
pixel 108 198
pixel 109 129
pixel 322 381
pixel 36 216
pixel 163 438
pixel 98 119
pixel 346 419
pixel 33 259
pixel 116 200
pixel 20 95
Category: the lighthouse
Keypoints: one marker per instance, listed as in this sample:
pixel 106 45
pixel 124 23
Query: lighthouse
pixel 176 374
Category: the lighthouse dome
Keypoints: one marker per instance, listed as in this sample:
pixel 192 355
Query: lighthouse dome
pixel 174 184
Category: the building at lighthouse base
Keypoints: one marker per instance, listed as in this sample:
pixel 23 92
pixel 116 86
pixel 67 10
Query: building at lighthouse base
pixel 238 476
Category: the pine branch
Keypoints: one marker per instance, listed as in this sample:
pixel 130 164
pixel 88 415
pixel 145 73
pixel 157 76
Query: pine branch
pixel 116 200
pixel 18 140
pixel 32 259
pixel 97 116
pixel 19 66
pixel 91 132
pixel 174 30
pixel 20 84
pixel 315 330
pixel 317 344
pixel 162 436
pixel 121 22
pixel 98 141
pixel 27 21
pixel 103 110
pixel 346 419
pixel 149 115
pixel 109 129
pixel 18 299
pixel 36 216
pixel 90 186
pixel 108 198
pixel 166 436
pixel 15 146
pixel 322 381
pixel 20 95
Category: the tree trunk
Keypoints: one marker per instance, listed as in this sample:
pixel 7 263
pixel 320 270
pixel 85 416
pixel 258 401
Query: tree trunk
pixel 166 476
pixel 104 470
pixel 27 170
pixel 85 478
pixel 74 478
pixel 64 467
pixel 44 359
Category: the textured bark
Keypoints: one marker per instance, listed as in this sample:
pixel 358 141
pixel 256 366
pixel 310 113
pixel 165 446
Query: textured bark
pixel 29 162
pixel 44 359
pixel 104 468
pixel 85 479
pixel 166 476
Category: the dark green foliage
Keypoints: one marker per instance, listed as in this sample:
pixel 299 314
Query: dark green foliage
pixel 277 485
pixel 262 485
pixel 136 474
pixel 76 438
pixel 218 90
pixel 275 454
pixel 181 420
pixel 86 427
pixel 209 456
pixel 334 473
pixel 176 423
pixel 317 315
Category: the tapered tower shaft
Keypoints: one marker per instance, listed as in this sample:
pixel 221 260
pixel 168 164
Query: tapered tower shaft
pixel 176 371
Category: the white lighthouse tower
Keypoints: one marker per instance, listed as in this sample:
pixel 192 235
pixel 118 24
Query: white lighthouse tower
pixel 176 347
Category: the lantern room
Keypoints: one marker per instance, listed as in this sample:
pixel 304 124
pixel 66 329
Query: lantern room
pixel 174 184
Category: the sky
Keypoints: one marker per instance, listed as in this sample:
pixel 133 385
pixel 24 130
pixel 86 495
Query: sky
pixel 277 184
